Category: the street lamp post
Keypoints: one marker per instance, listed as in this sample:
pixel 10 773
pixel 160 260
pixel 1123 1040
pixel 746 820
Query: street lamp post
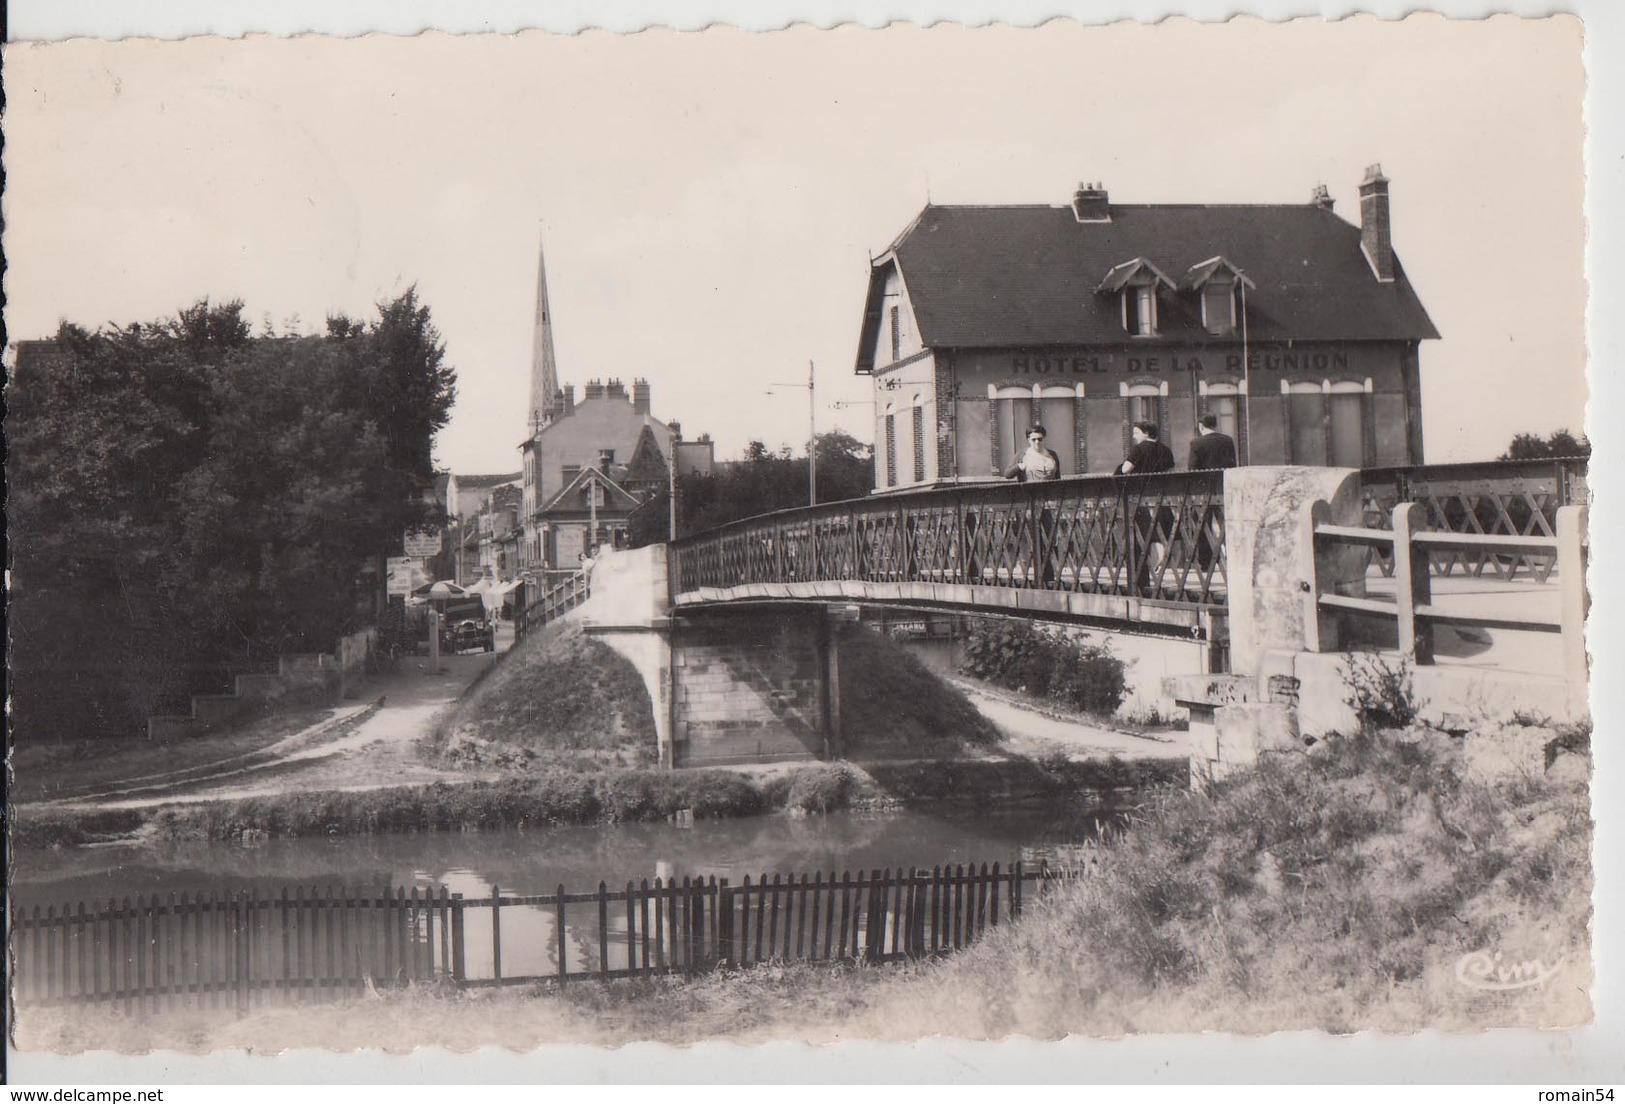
pixel 812 438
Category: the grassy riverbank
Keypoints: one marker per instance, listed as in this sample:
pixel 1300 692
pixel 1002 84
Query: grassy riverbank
pixel 557 694
pixel 561 797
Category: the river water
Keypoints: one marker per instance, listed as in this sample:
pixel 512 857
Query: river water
pixel 537 861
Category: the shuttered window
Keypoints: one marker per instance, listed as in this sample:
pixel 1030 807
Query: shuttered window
pixel 891 449
pixel 917 427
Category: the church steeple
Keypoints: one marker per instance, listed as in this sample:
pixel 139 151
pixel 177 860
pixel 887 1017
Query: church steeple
pixel 544 369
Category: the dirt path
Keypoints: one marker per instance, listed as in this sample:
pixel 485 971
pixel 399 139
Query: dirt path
pixel 360 747
pixel 379 744
pixel 1031 730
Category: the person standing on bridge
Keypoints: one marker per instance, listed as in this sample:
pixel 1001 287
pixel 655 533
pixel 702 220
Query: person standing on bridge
pixel 1211 449
pixel 1146 454
pixel 1038 464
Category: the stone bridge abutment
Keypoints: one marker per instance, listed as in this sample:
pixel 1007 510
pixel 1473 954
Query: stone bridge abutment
pixel 728 686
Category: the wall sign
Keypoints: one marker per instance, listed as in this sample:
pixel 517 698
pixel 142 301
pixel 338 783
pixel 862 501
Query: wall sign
pixel 1258 360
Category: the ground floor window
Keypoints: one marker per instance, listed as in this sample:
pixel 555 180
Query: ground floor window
pixel 1143 402
pixel 1306 428
pixel 1346 422
pixel 1012 414
pixel 1227 410
pixel 1057 410
pixel 1226 403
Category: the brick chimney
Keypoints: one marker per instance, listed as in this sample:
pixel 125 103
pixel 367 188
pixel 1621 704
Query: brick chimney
pixel 594 390
pixel 676 430
pixel 640 396
pixel 1376 239
pixel 615 389
pixel 1322 197
pixel 1089 204
pixel 566 403
pixel 606 457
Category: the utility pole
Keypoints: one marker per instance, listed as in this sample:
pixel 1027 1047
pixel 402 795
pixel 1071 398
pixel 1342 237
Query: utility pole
pixel 1246 433
pixel 812 438
pixel 812 430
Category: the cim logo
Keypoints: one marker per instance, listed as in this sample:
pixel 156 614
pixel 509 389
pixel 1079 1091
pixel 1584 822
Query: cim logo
pixel 1482 970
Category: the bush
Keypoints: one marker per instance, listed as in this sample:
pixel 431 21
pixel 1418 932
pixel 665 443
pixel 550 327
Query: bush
pixel 1381 693
pixel 823 789
pixel 1045 662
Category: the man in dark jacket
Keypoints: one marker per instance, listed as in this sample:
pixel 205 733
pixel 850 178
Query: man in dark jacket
pixel 1211 449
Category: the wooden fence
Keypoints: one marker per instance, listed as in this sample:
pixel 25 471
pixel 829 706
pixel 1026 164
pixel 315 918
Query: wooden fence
pixel 1412 548
pixel 247 950
pixel 232 951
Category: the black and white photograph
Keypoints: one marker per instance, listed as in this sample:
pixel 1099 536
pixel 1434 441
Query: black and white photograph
pixel 832 535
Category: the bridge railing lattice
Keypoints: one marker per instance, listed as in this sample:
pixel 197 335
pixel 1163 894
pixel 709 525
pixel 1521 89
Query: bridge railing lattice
pixel 1157 537
pixel 1495 498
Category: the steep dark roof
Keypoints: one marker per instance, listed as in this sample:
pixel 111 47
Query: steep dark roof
pixel 571 497
pixel 1019 276
pixel 476 482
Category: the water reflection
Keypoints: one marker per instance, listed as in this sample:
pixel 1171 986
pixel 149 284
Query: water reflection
pixel 537 862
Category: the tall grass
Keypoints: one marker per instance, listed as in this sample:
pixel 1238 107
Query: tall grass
pixel 1337 890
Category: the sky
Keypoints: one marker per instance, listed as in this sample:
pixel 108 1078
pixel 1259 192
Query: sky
pixel 709 202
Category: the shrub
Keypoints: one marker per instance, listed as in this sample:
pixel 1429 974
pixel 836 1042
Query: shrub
pixel 821 790
pixel 1381 693
pixel 1045 662
pixel 1574 738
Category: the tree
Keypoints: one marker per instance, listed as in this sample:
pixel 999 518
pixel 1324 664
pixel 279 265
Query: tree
pixel 101 427
pixel 186 498
pixel 761 482
pixel 1560 443
pixel 399 379
pixel 846 466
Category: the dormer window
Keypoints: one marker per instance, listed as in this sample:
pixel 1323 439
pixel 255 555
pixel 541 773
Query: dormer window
pixel 1136 282
pixel 1219 307
pixel 1219 283
pixel 1140 310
